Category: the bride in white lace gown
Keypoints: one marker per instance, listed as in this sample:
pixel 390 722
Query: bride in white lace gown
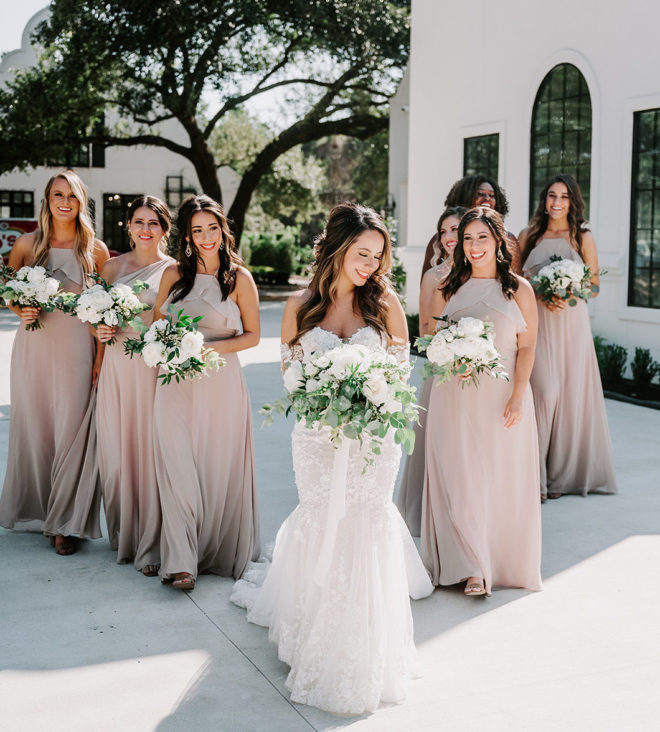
pixel 345 627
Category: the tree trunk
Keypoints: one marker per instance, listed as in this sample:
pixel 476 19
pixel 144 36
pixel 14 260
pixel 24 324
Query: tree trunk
pixel 205 167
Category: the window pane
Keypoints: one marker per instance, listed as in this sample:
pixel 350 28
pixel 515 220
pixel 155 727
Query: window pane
pixel 561 132
pixel 481 155
pixel 644 282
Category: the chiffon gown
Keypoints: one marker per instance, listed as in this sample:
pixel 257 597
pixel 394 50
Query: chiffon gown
pixel 481 511
pixel 574 437
pixel 52 470
pixel 345 628
pixel 409 500
pixel 124 424
pixel 204 454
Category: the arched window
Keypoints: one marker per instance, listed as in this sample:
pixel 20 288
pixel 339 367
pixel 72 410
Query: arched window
pixel 561 132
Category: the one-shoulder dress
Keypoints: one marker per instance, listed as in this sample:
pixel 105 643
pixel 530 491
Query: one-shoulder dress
pixel 124 424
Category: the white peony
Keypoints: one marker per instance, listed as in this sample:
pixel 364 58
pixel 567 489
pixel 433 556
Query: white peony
pixel 153 354
pixel 312 385
pixel 51 285
pixel 36 274
pixel 191 345
pixel 293 377
pixel 347 358
pixel 471 326
pixel 375 389
pixel 439 351
pixel 110 318
pixel 23 273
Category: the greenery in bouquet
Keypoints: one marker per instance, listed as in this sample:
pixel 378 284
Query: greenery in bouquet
pixel 359 393
pixel 175 345
pixel 33 287
pixel 112 305
pixel 566 279
pixel 464 348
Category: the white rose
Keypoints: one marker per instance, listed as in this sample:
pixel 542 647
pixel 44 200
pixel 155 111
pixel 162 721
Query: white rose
pixel 390 406
pixel 23 273
pixel 311 369
pixel 375 389
pixel 312 385
pixel 439 352
pixel 51 285
pixel 119 291
pixel 293 377
pixel 345 359
pixel 471 326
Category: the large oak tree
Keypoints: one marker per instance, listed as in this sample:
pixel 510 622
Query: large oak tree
pixel 135 65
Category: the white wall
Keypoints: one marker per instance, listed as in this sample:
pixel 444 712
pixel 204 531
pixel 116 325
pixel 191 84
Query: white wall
pixel 398 162
pixel 478 71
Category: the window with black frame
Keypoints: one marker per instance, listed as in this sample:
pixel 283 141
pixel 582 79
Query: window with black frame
pixel 644 269
pixel 115 208
pixel 16 204
pixel 561 132
pixel 481 154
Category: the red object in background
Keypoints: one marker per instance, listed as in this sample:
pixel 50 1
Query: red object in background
pixel 10 230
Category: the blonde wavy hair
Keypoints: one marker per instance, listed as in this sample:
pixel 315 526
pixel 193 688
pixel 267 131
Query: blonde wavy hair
pixel 83 245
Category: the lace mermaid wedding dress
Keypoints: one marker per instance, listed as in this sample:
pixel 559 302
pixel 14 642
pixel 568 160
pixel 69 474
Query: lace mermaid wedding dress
pixel 343 625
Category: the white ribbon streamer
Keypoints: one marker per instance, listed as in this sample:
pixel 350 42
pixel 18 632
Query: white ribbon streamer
pixel 336 510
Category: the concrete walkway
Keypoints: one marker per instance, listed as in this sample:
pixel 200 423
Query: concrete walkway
pixel 86 644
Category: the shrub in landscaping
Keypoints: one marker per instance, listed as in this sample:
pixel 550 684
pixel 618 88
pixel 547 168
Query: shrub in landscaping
pixel 644 367
pixel 611 360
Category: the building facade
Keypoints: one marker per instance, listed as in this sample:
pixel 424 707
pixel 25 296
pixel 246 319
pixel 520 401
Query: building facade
pixel 527 90
pixel 113 176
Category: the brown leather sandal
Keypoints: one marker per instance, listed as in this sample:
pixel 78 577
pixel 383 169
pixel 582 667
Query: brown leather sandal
pixel 184 581
pixel 64 545
pixel 150 570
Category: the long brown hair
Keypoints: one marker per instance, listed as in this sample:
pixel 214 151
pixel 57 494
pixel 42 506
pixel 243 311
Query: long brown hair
pixel 161 210
pixel 345 223
pixel 230 261
pixel 462 269
pixel 83 244
pixel 576 222
pixel 439 252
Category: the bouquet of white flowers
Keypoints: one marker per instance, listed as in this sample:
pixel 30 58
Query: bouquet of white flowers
pixel 463 347
pixel 33 287
pixel 104 304
pixel 175 345
pixel 360 393
pixel 564 278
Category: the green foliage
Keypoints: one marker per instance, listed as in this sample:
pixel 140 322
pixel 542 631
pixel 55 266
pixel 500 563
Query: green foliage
pixel 413 326
pixel 644 368
pixel 274 256
pixel 370 175
pixel 611 359
pixel 111 72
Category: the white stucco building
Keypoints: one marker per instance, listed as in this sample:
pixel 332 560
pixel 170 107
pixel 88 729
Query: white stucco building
pixel 529 90
pixel 113 175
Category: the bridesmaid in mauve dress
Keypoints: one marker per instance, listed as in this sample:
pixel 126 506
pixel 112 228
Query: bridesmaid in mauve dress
pixel 52 471
pixel 409 501
pixel 574 437
pixel 481 518
pixel 203 427
pixel 126 392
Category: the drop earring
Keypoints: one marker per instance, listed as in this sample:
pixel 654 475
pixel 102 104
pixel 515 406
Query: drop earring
pixel 188 250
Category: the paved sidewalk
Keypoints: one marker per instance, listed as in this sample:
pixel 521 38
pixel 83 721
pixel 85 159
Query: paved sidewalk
pixel 86 644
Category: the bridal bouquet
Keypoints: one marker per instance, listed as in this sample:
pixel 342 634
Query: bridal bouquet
pixel 360 393
pixel 463 347
pixel 564 278
pixel 175 345
pixel 112 305
pixel 33 287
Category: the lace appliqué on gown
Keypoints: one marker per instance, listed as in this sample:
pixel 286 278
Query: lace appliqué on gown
pixel 349 639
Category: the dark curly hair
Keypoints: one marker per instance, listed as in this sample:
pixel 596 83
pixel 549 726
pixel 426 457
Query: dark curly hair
pixel 464 191
pixel 462 269
pixel 576 221
pixel 345 223
pixel 230 261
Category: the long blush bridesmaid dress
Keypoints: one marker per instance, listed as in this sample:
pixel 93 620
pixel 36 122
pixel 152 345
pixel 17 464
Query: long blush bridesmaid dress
pixel 52 470
pixel 124 424
pixel 205 455
pixel 574 437
pixel 409 499
pixel 480 510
